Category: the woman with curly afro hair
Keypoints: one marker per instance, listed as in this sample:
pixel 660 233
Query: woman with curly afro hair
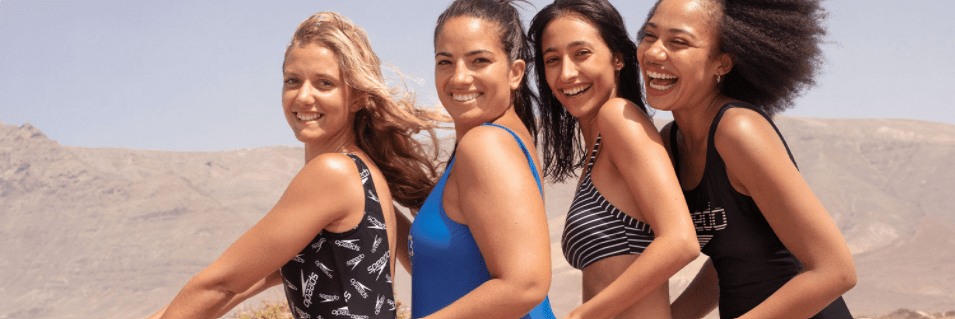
pixel 723 68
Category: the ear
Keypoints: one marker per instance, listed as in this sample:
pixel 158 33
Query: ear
pixel 357 101
pixel 725 64
pixel 618 61
pixel 516 73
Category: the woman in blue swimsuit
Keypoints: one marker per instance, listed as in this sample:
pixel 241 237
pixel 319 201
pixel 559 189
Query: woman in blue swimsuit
pixel 628 228
pixel 330 239
pixel 724 68
pixel 479 246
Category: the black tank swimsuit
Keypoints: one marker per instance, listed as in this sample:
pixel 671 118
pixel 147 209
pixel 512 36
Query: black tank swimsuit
pixel 750 260
pixel 345 275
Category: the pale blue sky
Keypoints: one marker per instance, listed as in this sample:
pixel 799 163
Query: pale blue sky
pixel 190 76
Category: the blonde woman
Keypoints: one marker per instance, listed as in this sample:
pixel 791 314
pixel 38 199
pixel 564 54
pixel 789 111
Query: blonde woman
pixel 330 239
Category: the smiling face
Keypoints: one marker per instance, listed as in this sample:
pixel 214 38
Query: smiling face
pixel 678 55
pixel 579 66
pixel 315 98
pixel 473 76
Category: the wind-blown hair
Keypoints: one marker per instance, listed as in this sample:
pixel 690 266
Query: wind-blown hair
pixel 389 118
pixel 513 39
pixel 563 148
pixel 774 46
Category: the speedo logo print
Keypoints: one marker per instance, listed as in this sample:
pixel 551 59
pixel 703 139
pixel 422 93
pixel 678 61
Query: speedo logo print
pixel 365 174
pixel 392 304
pixel 343 311
pixel 707 222
pixel 298 258
pixel 354 261
pixel 348 244
pixel 327 298
pixel 361 289
pixel 303 314
pixel 289 284
pixel 379 265
pixel 307 287
pixel 375 223
pixel 371 195
pixel 318 246
pixel 388 278
pixel 325 269
pixel 374 245
pixel 378 303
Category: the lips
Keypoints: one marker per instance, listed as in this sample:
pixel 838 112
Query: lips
pixel 465 97
pixel 661 81
pixel 576 90
pixel 308 116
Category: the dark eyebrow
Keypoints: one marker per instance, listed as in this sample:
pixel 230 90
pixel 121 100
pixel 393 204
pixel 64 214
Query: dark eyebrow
pixel 674 30
pixel 475 52
pixel 571 45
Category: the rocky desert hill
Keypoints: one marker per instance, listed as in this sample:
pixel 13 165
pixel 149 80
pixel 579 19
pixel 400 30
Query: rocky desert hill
pixel 114 233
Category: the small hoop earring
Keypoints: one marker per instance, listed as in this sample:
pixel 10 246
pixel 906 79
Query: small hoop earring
pixel 719 78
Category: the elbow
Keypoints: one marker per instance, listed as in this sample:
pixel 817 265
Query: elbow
pixel 530 292
pixel 687 248
pixel 847 279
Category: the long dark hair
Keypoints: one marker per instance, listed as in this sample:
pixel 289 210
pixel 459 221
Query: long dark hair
pixel 513 39
pixel 563 148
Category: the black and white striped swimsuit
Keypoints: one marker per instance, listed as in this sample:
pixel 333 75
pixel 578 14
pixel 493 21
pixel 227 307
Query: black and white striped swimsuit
pixel 595 229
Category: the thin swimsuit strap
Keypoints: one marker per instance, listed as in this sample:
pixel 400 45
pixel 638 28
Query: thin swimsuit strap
pixel 526 154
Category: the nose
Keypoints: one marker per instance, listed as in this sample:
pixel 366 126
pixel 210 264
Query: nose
pixel 305 95
pixel 568 70
pixel 461 76
pixel 656 52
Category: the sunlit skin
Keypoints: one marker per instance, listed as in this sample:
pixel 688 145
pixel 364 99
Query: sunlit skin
pixel 326 194
pixel 681 42
pixel 491 189
pixel 581 70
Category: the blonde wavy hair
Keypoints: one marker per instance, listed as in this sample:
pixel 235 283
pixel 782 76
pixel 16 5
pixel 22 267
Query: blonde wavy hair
pixel 389 118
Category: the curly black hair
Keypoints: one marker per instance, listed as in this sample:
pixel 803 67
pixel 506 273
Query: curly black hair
pixel 774 45
pixel 563 150
pixel 513 39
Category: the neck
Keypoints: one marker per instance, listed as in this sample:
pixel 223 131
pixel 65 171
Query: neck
pixel 507 119
pixel 343 143
pixel 694 123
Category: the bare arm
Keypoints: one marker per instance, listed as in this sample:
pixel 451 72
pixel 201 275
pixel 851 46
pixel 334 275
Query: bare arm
pixel 758 166
pixel 501 204
pixel 636 150
pixel 699 298
pixel 404 227
pixel 323 192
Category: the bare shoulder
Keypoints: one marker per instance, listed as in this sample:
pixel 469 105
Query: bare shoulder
pixel 330 176
pixel 620 118
pixel 742 130
pixel 331 167
pixel 486 143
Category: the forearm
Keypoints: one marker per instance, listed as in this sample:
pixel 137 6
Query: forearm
pixel 260 286
pixel 700 297
pixel 496 298
pixel 663 258
pixel 804 295
pixel 197 300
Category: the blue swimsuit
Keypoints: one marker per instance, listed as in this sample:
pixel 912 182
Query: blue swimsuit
pixel 446 263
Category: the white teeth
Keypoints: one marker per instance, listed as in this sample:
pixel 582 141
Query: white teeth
pixel 660 87
pixel 655 75
pixel 576 91
pixel 465 98
pixel 308 117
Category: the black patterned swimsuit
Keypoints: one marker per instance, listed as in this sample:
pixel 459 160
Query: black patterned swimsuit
pixel 751 262
pixel 345 275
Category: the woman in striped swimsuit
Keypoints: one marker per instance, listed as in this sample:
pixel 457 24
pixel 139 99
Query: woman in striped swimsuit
pixel 587 76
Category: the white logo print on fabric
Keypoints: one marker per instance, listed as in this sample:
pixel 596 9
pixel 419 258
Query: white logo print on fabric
pixel 374 245
pixel 381 300
pixel 343 311
pixel 327 298
pixel 299 258
pixel 379 265
pixel 307 287
pixel 709 220
pixel 354 261
pixel 348 244
pixel 318 246
pixel 326 270
pixel 375 223
pixel 364 176
pixel 362 289
pixel 372 196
